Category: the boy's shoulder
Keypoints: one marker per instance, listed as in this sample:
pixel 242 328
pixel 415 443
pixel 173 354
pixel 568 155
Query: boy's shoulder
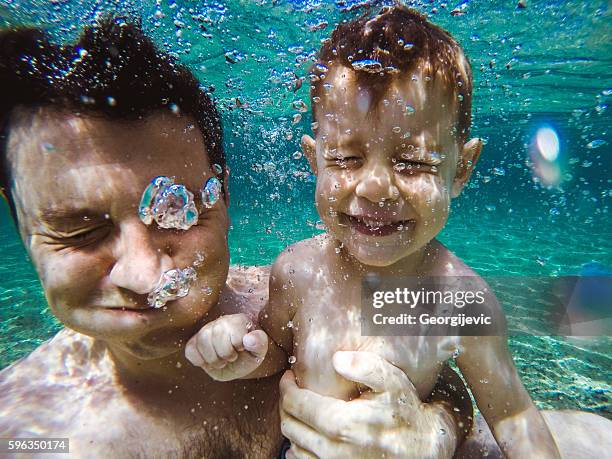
pixel 450 265
pixel 303 255
pixel 303 261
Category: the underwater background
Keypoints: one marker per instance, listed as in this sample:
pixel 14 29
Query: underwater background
pixel 537 205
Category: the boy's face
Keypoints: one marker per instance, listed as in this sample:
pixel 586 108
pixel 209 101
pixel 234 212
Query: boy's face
pixel 386 173
pixel 77 185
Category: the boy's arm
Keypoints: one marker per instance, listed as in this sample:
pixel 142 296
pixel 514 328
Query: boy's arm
pixel 231 347
pixel 516 423
pixel 273 319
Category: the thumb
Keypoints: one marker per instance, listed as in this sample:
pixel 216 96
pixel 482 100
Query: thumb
pixel 375 372
pixel 256 342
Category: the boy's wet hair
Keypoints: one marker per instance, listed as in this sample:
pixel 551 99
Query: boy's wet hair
pixel 113 70
pixel 399 40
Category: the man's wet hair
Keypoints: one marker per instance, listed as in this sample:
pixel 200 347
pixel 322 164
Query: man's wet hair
pixel 400 40
pixel 113 70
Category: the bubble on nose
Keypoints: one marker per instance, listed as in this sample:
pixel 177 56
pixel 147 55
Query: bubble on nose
pixel 211 192
pixel 168 204
pixel 173 284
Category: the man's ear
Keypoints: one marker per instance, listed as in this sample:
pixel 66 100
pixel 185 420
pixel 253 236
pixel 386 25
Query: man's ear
pixel 226 195
pixel 467 161
pixel 309 148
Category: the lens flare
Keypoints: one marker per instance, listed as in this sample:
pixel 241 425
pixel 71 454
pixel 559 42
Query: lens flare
pixel 545 152
pixel 548 143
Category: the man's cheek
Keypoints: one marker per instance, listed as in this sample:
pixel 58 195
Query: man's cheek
pixel 59 272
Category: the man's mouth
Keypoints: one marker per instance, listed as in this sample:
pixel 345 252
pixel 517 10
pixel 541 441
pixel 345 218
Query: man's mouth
pixel 144 310
pixel 372 226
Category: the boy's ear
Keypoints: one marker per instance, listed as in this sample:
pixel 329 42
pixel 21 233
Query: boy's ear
pixel 467 161
pixel 309 148
pixel 226 195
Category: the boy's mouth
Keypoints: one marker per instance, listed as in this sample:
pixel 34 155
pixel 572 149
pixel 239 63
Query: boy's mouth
pixel 375 226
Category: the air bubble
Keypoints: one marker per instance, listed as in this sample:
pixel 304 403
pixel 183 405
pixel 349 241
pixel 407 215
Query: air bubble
pixel 595 144
pixel 300 106
pixel 168 204
pixel 211 192
pixel 367 65
pixel 173 284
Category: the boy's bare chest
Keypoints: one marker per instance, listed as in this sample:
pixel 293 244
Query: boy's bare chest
pixel 328 323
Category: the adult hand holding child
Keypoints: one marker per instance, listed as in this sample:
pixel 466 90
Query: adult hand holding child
pixel 388 421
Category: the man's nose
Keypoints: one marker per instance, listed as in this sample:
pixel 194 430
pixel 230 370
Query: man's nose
pixel 377 184
pixel 139 263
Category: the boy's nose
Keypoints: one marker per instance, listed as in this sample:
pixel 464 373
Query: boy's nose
pixel 139 264
pixel 377 185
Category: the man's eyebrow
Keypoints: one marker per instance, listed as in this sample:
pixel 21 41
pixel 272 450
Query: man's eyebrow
pixel 67 215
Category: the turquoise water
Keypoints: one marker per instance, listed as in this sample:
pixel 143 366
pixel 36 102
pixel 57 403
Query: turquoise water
pixel 546 65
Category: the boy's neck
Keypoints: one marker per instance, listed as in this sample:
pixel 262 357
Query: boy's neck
pixel 417 263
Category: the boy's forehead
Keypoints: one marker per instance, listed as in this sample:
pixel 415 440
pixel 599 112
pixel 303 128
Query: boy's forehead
pixel 413 98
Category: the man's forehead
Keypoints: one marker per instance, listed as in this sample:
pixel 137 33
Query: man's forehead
pixel 47 132
pixel 57 156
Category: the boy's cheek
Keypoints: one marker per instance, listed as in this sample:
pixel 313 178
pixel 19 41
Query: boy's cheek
pixel 331 185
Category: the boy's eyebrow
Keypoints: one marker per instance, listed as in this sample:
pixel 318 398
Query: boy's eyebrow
pixel 349 141
pixel 413 149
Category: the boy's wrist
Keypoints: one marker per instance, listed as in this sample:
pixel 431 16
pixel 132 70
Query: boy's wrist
pixel 451 395
pixel 445 433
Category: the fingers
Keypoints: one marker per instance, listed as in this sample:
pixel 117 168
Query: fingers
pixel 192 354
pixel 305 442
pixel 334 418
pixel 207 349
pixel 219 343
pixel 298 453
pixel 376 373
pixel 256 343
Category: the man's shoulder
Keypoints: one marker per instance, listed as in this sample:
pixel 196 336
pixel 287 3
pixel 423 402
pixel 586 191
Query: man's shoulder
pixel 52 359
pixel 45 390
pixel 246 289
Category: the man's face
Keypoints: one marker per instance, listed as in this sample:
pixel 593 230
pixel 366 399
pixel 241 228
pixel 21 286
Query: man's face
pixel 77 185
pixel 386 170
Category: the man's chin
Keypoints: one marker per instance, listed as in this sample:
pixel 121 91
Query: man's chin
pixel 148 351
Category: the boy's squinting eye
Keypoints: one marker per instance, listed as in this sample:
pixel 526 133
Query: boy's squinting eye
pixel 413 167
pixel 418 160
pixel 348 162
